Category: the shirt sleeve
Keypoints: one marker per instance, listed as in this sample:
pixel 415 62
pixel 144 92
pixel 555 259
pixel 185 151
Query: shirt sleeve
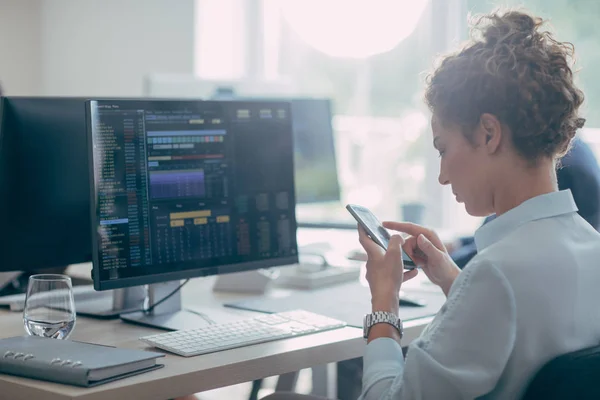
pixel 462 353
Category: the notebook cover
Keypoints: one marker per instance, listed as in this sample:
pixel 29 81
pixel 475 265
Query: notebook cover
pixel 119 377
pixel 45 354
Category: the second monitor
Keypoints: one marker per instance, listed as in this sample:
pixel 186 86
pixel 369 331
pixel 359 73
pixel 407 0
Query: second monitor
pixel 182 189
pixel 314 151
pixel 316 173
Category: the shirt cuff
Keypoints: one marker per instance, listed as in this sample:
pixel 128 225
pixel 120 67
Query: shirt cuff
pixel 382 350
pixel 383 361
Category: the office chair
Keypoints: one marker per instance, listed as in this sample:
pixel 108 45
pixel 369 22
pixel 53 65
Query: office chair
pixel 573 375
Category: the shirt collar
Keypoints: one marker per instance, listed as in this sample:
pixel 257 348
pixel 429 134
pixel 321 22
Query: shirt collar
pixel 543 206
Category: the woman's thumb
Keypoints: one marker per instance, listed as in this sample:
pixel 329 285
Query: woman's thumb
pixel 426 246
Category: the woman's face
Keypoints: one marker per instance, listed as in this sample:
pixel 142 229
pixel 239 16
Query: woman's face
pixel 465 167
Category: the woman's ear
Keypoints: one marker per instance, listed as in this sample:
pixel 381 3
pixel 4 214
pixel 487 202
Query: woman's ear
pixel 491 129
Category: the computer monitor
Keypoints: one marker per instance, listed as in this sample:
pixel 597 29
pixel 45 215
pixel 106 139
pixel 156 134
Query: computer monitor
pixel 182 189
pixel 44 183
pixel 315 166
pixel 314 152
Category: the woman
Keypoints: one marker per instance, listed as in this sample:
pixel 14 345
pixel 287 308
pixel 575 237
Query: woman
pixel 504 109
pixel 579 171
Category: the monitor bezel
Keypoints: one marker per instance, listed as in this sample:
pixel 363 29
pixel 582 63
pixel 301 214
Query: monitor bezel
pixel 119 283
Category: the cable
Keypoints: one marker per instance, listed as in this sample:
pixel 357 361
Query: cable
pixel 198 313
pixel 167 297
pixel 147 310
pixel 203 316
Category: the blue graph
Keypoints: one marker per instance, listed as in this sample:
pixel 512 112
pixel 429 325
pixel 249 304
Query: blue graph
pixel 178 183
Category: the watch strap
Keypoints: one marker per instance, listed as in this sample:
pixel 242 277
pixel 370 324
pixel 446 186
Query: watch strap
pixel 382 317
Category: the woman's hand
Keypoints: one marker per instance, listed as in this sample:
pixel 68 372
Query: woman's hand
pixel 453 246
pixel 385 272
pixel 428 252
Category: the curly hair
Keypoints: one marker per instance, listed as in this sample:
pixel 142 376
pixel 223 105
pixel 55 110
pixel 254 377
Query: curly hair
pixel 517 72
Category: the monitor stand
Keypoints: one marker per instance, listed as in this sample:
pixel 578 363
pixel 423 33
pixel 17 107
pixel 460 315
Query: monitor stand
pixel 109 304
pixel 169 314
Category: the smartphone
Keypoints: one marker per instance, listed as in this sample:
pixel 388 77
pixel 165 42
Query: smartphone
pixel 376 231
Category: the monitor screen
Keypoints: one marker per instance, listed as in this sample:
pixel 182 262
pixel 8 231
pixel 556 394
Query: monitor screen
pixel 190 188
pixel 314 151
pixel 44 183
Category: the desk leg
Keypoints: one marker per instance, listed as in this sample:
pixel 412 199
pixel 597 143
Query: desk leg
pixel 256 386
pixel 324 380
pixel 287 382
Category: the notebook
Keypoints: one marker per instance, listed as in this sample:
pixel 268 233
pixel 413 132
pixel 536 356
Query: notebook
pixel 70 362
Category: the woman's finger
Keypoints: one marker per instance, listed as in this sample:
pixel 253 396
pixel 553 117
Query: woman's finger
pixel 368 244
pixel 411 248
pixel 395 248
pixel 415 230
pixel 406 227
pixel 408 275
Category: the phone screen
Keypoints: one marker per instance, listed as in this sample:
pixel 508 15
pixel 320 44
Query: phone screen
pixel 375 229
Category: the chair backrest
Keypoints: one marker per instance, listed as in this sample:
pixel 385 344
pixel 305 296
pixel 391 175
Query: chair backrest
pixel 573 375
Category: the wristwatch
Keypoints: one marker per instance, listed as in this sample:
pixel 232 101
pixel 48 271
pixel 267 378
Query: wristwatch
pixel 381 317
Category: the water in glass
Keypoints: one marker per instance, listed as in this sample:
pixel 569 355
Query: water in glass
pixel 49 307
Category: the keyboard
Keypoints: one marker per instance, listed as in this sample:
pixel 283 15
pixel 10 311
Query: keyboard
pixel 245 332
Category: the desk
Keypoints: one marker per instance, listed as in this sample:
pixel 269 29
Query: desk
pixel 182 376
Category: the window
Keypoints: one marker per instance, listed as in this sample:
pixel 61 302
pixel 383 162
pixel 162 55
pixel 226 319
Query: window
pixel 369 57
pixel 574 21
pixel 219 46
pixel 369 62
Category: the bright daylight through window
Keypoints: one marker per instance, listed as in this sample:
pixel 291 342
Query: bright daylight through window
pixel 370 58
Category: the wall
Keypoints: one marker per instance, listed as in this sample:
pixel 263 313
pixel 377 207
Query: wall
pixel 20 51
pixel 105 48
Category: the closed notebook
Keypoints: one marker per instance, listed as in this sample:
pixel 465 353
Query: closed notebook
pixel 69 362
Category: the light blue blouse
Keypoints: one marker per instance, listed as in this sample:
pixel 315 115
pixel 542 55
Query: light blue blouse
pixel 531 293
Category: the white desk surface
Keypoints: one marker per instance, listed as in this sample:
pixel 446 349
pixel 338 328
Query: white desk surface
pixel 182 376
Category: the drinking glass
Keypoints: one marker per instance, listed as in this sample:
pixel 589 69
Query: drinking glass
pixel 49 308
